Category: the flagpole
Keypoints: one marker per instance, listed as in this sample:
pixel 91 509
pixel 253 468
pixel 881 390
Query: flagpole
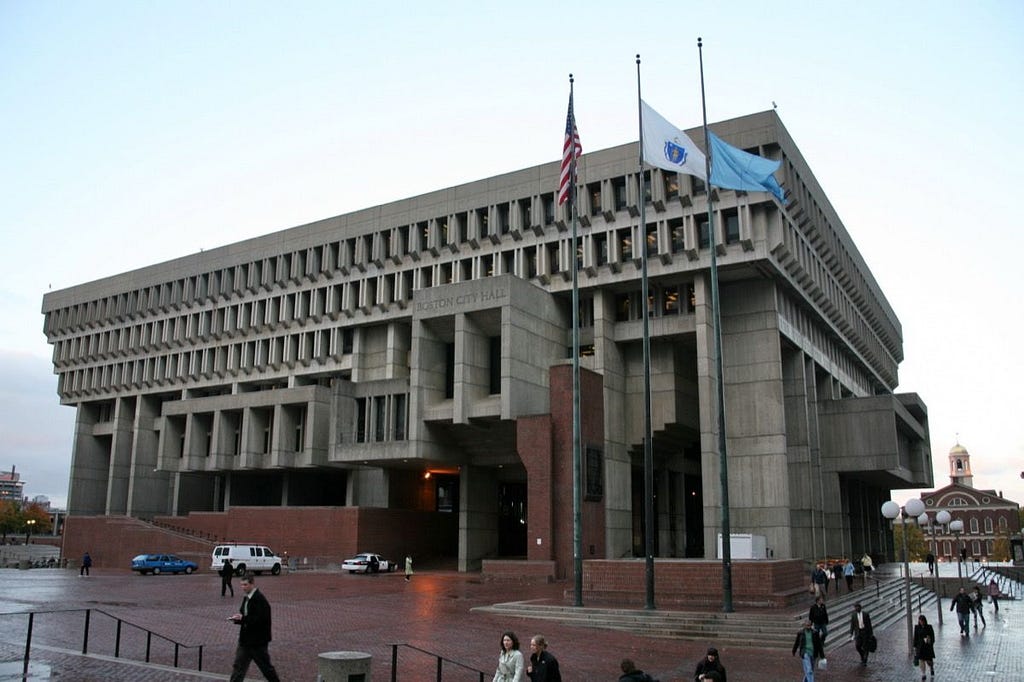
pixel 716 321
pixel 645 296
pixel 577 458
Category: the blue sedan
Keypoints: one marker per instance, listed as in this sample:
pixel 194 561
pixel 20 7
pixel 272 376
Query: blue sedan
pixel 162 563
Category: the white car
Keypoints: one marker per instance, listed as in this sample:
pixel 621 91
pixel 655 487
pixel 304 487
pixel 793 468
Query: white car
pixel 364 563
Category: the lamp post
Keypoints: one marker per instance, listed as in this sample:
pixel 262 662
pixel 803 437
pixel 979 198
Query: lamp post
pixel 29 525
pixel 941 519
pixel 892 510
pixel 957 527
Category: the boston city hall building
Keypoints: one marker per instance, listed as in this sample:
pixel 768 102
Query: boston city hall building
pixel 399 379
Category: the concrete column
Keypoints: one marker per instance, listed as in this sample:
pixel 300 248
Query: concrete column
pixel 119 473
pixel 90 467
pixel 478 516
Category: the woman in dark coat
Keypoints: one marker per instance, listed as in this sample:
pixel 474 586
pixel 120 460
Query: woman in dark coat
pixel 924 645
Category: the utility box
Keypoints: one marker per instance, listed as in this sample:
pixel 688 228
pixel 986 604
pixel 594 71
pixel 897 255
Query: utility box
pixel 745 546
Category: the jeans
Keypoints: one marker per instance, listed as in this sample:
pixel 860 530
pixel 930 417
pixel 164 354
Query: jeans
pixel 964 619
pixel 822 631
pixel 808 661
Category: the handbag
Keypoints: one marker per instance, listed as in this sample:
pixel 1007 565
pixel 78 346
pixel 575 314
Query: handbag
pixel 822 663
pixel 872 643
pixel 811 589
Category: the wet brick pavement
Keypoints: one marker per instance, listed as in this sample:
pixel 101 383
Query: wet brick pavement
pixel 315 612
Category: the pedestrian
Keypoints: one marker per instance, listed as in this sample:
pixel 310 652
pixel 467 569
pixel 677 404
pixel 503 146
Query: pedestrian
pixel 866 563
pixel 819 618
pixel 862 633
pixel 848 572
pixel 924 645
pixel 408 568
pixel 374 564
pixel 711 663
pixel 86 565
pixel 811 648
pixel 543 667
pixel 837 574
pixel 931 563
pixel 962 603
pixel 510 660
pixel 631 674
pixel 226 571
pixel 977 602
pixel 818 580
pixel 993 593
pixel 254 635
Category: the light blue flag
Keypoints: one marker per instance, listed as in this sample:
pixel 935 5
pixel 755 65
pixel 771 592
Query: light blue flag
pixel 733 168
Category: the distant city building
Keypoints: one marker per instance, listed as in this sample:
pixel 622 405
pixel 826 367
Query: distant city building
pixel 986 514
pixel 11 485
pixel 415 357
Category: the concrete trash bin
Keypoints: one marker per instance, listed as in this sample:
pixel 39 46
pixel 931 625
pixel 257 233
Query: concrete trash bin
pixel 344 666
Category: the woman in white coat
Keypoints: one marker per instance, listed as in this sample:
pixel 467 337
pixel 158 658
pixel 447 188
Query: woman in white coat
pixel 510 660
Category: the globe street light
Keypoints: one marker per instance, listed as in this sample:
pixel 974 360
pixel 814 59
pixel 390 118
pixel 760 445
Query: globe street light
pixel 891 510
pixel 28 529
pixel 941 519
pixel 957 527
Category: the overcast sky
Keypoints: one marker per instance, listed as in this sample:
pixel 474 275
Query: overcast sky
pixel 133 133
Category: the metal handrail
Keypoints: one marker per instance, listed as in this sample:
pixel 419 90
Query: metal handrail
pixel 439 658
pixel 178 646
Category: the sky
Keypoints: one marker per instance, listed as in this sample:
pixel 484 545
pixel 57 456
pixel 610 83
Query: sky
pixel 134 133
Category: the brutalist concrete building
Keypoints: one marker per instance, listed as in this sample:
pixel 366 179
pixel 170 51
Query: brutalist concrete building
pixel 416 355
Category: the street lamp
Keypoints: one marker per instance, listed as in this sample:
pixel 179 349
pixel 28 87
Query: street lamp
pixel 957 527
pixel 891 510
pixel 29 524
pixel 941 519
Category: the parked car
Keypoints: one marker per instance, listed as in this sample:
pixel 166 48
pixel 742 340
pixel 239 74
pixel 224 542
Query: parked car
pixel 364 563
pixel 162 563
pixel 245 557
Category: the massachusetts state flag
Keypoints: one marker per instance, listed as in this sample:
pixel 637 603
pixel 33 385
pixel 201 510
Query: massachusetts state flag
pixel 667 147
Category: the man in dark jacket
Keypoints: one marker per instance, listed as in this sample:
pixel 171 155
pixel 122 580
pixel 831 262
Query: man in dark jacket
pixel 810 647
pixel 962 603
pixel 708 665
pixel 862 632
pixel 819 618
pixel 254 635
pixel 226 571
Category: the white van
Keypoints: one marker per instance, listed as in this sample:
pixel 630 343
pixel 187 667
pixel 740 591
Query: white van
pixel 255 558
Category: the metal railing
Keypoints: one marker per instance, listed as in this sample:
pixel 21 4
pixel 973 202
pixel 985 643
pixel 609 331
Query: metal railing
pixel 119 626
pixel 439 663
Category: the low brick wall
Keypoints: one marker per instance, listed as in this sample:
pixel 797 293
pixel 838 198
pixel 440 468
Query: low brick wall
pixel 689 582
pixel 512 571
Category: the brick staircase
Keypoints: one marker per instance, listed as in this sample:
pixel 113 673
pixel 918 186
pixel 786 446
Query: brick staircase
pixel 882 596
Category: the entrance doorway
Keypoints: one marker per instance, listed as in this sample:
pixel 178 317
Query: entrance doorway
pixel 512 519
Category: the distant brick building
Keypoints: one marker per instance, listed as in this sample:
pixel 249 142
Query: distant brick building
pixel 986 514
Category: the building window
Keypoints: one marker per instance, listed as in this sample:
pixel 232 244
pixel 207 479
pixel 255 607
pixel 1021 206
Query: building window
pixel 300 429
pixel 619 188
pixel 976 548
pixel 670 301
pixel 625 237
pixel 400 416
pixel 676 232
pixel 601 248
pixel 360 420
pixel 671 185
pixel 703 235
pixel 593 472
pixel 346 341
pixel 548 204
pixel 652 239
pixel 988 524
pixel 594 191
pixel 732 227
pixel 449 371
pixel 1002 523
pixel 494 353
pixel 379 418
pixel 974 525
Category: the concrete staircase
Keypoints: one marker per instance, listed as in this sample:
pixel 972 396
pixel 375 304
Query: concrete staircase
pixel 883 596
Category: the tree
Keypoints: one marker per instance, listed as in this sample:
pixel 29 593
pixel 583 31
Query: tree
pixel 35 512
pixel 10 521
pixel 917 544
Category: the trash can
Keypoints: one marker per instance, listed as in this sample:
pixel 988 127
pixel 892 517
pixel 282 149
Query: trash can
pixel 344 666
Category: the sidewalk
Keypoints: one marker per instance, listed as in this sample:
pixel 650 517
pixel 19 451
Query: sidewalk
pixel 317 612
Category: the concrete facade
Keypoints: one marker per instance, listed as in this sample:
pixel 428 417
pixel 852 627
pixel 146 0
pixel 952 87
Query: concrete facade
pixel 414 356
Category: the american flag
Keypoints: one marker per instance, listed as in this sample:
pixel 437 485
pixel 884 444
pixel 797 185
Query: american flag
pixel 571 151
